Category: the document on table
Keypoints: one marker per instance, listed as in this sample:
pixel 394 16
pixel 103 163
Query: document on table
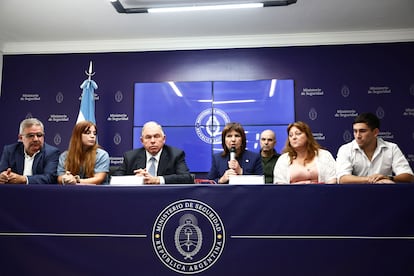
pixel 127 180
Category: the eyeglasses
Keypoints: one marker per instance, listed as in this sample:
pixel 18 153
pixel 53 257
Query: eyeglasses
pixel 32 135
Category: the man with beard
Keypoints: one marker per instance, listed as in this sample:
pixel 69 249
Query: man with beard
pixel 30 160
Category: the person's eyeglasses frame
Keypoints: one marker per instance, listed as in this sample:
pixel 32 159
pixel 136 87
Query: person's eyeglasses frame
pixel 32 135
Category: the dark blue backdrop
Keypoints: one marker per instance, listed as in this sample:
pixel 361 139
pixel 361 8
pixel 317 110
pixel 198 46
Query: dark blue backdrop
pixel 286 230
pixel 332 85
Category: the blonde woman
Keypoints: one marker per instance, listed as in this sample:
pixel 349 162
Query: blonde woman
pixel 303 160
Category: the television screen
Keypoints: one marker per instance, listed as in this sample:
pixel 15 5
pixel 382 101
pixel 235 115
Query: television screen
pixel 171 104
pixel 262 102
pixel 193 114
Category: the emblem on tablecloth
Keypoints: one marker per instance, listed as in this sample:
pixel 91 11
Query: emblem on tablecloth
pixel 188 236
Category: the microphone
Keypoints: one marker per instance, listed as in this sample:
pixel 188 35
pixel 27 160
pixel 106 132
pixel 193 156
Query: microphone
pixel 232 153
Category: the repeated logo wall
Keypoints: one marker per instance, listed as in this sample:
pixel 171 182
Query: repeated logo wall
pixel 332 85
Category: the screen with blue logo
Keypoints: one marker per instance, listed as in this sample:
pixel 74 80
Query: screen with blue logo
pixel 193 114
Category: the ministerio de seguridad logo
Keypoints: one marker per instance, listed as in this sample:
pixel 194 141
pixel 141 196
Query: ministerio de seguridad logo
pixel 207 125
pixel 188 236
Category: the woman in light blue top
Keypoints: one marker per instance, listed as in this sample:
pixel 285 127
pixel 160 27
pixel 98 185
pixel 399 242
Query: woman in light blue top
pixel 84 162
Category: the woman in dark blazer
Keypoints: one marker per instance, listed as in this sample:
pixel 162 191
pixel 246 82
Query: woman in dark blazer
pixel 235 159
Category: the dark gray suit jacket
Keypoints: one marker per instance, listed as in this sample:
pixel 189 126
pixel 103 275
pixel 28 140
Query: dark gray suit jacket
pixel 172 165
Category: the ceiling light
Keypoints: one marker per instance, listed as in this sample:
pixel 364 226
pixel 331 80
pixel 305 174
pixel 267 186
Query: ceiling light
pixel 207 7
pixel 187 5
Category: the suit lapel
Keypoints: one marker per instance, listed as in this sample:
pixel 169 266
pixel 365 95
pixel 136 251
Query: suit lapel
pixel 20 163
pixel 163 162
pixel 20 159
pixel 38 158
pixel 141 161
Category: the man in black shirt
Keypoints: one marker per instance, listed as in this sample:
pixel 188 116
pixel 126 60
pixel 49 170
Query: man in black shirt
pixel 268 153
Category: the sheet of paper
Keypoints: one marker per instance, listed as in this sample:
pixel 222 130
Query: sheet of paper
pixel 127 180
pixel 246 179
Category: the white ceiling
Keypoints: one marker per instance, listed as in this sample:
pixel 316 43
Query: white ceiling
pixel 51 26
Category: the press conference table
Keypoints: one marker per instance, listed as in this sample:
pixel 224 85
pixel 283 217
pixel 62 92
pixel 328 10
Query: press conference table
pixel 207 230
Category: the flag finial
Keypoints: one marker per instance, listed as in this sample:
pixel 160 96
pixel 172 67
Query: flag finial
pixel 90 73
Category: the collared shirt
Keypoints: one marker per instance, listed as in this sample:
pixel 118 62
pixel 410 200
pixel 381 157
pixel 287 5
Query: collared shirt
pixel 387 159
pixel 28 164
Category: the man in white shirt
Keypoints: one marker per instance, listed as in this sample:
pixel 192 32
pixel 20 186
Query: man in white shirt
pixel 369 159
pixel 157 162
pixel 30 160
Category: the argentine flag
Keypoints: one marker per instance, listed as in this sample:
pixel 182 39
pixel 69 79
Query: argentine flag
pixel 87 106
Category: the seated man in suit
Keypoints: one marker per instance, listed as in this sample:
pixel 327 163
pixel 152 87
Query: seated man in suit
pixel 157 162
pixel 30 160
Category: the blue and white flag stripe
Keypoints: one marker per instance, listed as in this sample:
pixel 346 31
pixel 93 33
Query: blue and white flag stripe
pixel 87 106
